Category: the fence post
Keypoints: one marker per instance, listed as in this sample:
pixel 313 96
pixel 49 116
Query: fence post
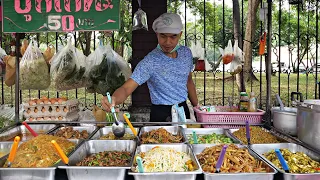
pixel 268 62
pixel 17 102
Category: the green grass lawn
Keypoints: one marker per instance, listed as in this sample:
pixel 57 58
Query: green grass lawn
pixel 213 88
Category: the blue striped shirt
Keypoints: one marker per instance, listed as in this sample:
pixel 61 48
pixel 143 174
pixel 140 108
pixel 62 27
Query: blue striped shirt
pixel 166 77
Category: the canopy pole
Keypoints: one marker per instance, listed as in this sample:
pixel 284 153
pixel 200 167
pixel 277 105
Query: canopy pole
pixel 17 102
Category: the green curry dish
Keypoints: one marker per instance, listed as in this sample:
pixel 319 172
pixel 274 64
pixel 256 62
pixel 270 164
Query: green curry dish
pixel 211 139
pixel 107 159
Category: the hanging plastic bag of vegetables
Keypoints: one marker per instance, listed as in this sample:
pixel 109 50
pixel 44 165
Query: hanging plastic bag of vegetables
pixel 109 71
pixel 49 53
pixel 68 68
pixel 2 63
pixel 34 71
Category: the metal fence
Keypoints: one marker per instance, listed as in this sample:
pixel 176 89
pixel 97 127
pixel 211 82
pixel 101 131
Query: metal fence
pixel 297 70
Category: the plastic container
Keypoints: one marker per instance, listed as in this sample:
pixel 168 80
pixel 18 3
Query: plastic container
pixel 232 119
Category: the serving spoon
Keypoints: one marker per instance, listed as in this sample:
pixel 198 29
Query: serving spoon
pixel 118 126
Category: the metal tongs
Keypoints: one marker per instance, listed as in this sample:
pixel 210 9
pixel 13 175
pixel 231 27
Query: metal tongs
pixel 62 155
pixel 282 160
pixel 248 133
pixel 220 159
pixel 117 127
pixel 34 134
pixel 13 151
pixel 132 129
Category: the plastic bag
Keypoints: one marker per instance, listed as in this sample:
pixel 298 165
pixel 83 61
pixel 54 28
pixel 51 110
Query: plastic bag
pixel 10 76
pixel 2 63
pixel 49 53
pixel 178 114
pixel 34 71
pixel 140 19
pixel 68 68
pixel 227 53
pixel 2 53
pixel 2 68
pixel 236 66
pixel 197 51
pixel 95 58
pixel 109 72
pixel 99 115
pixel 24 46
pixel 86 115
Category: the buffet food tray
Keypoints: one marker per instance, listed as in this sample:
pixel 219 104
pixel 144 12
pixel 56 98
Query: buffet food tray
pixel 90 129
pixel 106 130
pixel 5 148
pixel 205 131
pixel 280 139
pixel 190 175
pixel 94 172
pixel 175 130
pixel 197 149
pixel 260 149
pixel 47 173
pixel 10 134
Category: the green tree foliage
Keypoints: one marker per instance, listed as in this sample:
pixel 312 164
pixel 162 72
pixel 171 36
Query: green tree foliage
pixel 289 34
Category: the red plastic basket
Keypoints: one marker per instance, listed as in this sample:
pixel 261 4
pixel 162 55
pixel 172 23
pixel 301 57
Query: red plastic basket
pixel 223 116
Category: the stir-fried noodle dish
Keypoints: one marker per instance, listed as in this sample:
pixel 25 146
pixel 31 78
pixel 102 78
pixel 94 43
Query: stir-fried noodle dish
pixel 236 160
pixel 165 159
pixel 160 136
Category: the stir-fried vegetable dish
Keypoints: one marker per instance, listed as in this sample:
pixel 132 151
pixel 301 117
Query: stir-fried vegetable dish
pixel 164 159
pixel 107 158
pixel 258 136
pixel 236 160
pixel 40 152
pixel 69 133
pixel 298 162
pixel 159 136
pixel 210 139
pixel 111 136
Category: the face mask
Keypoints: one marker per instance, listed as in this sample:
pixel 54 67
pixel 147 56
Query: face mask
pixel 173 50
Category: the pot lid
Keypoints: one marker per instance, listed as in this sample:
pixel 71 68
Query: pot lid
pixel 312 102
pixel 286 109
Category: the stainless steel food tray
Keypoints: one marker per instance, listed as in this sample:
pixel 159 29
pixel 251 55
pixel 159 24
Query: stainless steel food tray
pixel 197 149
pixel 39 128
pixel 90 129
pixel 106 130
pixel 30 173
pixel 191 175
pixel 205 131
pixel 231 131
pixel 260 149
pixel 175 130
pixel 98 173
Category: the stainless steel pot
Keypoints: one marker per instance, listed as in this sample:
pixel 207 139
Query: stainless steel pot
pixel 308 123
pixel 285 118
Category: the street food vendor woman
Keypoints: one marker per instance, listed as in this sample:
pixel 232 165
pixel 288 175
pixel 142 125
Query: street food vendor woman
pixel 167 71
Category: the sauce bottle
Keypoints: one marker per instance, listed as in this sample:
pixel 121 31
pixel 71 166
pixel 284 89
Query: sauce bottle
pixel 244 102
pixel 252 103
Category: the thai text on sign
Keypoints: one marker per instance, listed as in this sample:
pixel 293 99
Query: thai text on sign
pixel 60 15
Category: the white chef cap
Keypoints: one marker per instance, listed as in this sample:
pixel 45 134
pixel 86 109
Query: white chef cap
pixel 168 23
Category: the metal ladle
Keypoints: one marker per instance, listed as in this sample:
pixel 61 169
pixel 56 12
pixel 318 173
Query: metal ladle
pixel 117 127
